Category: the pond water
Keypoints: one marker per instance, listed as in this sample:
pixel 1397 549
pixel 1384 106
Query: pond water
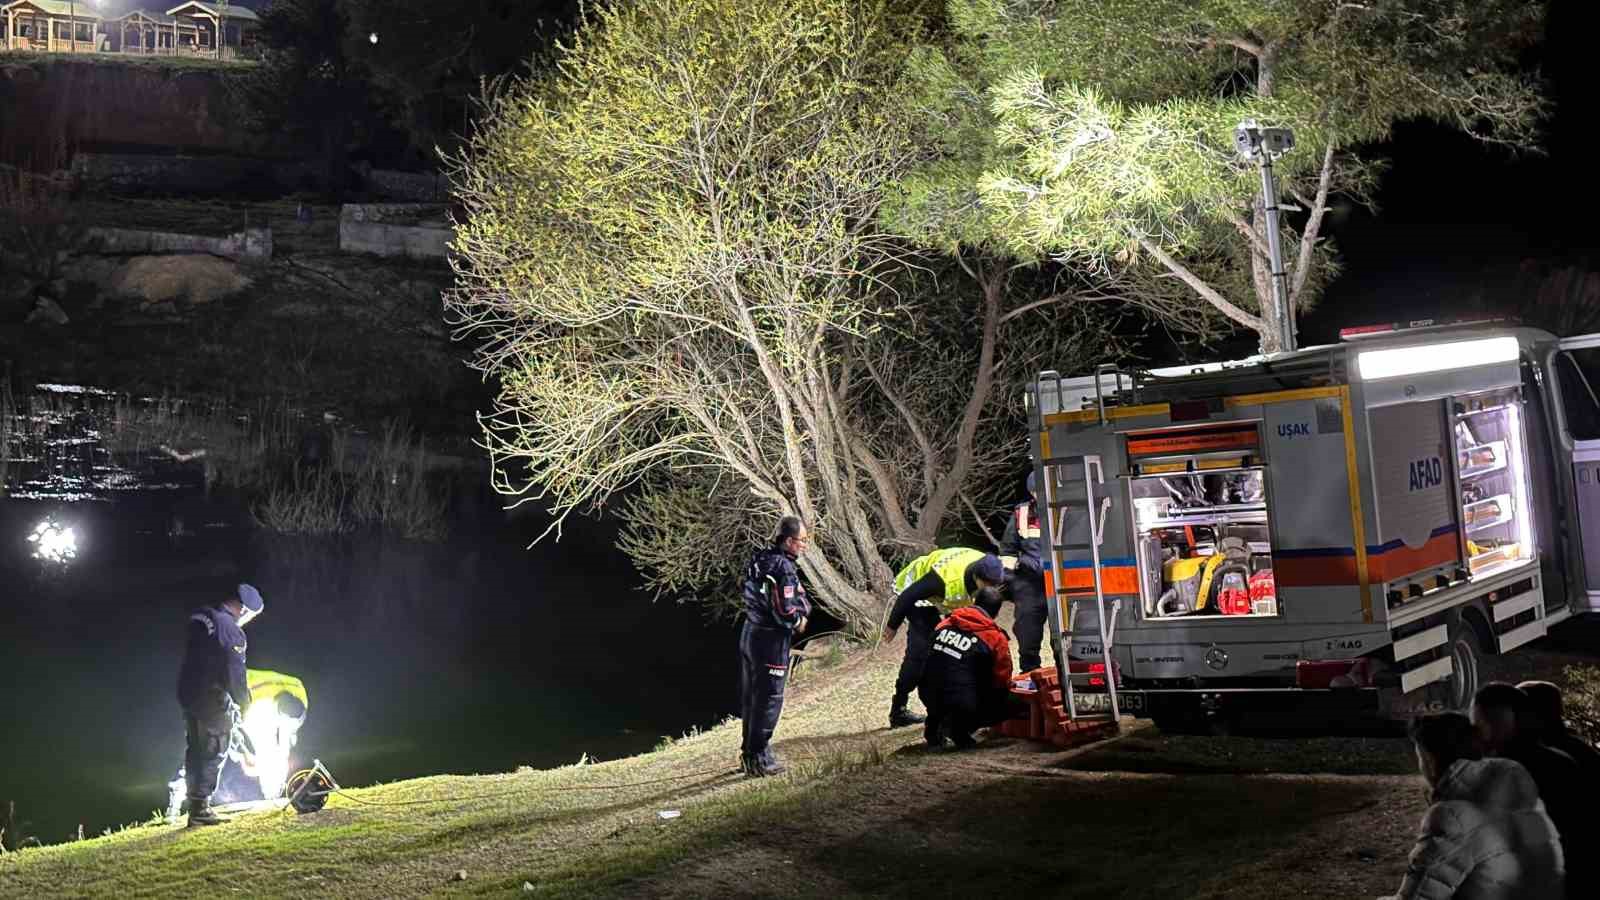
pixel 473 654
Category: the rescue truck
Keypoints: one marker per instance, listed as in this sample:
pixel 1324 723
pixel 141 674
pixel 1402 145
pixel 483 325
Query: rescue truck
pixel 1339 530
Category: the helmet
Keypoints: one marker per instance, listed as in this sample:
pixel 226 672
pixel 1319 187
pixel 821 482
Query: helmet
pixel 1033 483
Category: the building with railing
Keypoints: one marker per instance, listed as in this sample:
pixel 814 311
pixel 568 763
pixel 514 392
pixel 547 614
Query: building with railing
pixel 219 30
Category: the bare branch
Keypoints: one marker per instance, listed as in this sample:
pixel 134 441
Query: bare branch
pixel 1206 291
pixel 1036 304
pixel 993 542
pixel 1249 233
pixel 1313 229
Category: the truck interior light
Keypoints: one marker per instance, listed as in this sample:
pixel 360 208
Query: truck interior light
pixel 1399 361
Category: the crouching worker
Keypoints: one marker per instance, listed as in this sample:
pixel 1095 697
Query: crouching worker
pixel 926 590
pixel 775 609
pixel 966 684
pixel 211 685
pixel 1486 833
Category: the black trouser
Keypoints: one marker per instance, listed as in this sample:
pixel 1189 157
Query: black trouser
pixel 1027 595
pixel 920 626
pixel 764 658
pixel 207 730
pixel 962 712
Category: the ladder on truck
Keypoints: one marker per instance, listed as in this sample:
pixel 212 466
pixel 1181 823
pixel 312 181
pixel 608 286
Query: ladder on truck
pixel 1075 506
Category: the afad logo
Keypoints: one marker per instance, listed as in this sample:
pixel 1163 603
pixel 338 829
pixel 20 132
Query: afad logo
pixel 1426 473
pixel 1294 429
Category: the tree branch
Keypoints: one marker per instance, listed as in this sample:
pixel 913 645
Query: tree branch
pixel 1035 304
pixel 1309 237
pixel 930 460
pixel 993 285
pixel 1249 233
pixel 1206 291
pixel 993 542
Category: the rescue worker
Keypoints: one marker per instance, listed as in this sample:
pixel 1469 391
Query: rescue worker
pixel 1026 584
pixel 212 688
pixel 967 682
pixel 927 590
pixel 776 609
pixel 282 703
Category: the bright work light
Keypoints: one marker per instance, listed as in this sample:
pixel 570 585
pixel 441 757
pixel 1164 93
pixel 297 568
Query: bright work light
pixel 53 543
pixel 1398 361
pixel 272 735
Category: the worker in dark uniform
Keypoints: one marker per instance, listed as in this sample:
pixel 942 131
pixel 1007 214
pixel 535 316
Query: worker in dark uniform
pixel 1026 584
pixel 967 682
pixel 928 589
pixel 775 609
pixel 212 689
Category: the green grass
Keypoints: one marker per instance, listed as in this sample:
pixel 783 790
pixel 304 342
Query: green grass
pixel 571 831
pixel 863 812
pixel 39 59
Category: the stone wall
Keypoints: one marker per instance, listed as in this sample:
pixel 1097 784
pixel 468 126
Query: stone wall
pixel 180 174
pixel 252 244
pixel 415 230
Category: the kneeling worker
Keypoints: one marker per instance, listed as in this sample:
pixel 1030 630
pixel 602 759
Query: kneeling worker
pixel 967 684
pixel 928 589
pixel 775 609
pixel 211 682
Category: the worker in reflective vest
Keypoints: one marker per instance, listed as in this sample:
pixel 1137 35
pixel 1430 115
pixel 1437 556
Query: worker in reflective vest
pixel 927 590
pixel 1026 585
pixel 286 692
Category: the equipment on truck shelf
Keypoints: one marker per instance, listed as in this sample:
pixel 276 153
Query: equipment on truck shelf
pixel 1350 525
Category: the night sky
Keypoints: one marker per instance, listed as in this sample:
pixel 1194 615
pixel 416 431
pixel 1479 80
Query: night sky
pixel 1453 213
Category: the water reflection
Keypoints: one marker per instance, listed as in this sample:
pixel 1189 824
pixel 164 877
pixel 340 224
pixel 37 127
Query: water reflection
pixel 468 654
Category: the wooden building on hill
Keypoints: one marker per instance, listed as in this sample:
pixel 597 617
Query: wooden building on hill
pixel 108 26
pixel 142 31
pixel 51 26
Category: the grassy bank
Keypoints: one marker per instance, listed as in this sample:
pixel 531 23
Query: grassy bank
pixel 864 811
pixel 40 59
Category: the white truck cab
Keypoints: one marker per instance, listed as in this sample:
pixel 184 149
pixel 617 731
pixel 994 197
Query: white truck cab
pixel 1351 525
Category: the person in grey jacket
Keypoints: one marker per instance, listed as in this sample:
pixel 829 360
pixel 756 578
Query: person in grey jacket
pixel 1486 835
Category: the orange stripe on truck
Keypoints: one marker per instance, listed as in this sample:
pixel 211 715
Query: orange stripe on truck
pixel 1113 580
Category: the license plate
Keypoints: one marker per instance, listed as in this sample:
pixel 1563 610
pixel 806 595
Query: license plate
pixel 1101 703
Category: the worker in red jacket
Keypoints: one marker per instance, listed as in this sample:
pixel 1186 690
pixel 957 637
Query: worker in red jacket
pixel 967 682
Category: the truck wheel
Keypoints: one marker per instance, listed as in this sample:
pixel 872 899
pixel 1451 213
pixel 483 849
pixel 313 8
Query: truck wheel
pixel 1457 691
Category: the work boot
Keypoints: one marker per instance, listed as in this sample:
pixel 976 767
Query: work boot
pixel 201 813
pixel 900 717
pixel 765 766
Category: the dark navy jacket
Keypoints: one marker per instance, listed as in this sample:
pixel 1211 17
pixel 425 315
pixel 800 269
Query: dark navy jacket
pixel 1021 538
pixel 213 661
pixel 773 594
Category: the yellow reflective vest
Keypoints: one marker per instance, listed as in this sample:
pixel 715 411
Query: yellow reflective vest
pixel 267 686
pixel 951 564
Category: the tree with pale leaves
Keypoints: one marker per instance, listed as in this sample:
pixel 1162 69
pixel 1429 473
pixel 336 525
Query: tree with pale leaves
pixel 674 263
pixel 1100 132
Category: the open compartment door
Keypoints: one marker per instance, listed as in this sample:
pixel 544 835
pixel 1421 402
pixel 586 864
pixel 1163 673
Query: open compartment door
pixel 1576 372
